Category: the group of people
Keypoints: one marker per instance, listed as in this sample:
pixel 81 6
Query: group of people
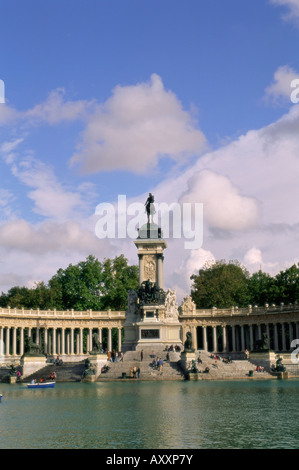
pixel 260 369
pixel 157 363
pixel 58 361
pixel 114 357
pixel 104 369
pixel 175 348
pixel 217 357
pixel 135 372
pixel 52 376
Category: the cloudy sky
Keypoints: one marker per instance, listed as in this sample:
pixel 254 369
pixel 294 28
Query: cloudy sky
pixel 194 101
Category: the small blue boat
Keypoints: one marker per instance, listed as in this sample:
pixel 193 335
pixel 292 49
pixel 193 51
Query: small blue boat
pixel 0 397
pixel 42 385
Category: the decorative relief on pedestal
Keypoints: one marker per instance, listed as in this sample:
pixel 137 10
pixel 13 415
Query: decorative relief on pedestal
pixel 150 267
pixel 188 307
pixel 171 306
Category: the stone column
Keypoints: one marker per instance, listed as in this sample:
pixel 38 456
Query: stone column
pixel 1 341
pixel 242 338
pixel 297 330
pixel 72 341
pixel 46 340
pixel 21 341
pixel 215 343
pixel 81 340
pixel 119 340
pixel 283 337
pixel 59 342
pixel 205 342
pixel 63 341
pixel 54 342
pixel 100 335
pixel 109 339
pixel 89 339
pixel 14 342
pixel 37 336
pixel 224 338
pixel 7 349
pixel 259 329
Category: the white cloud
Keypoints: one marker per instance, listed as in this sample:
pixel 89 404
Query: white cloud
pixel 7 114
pixel 50 198
pixel 20 235
pixel 281 88
pixel 56 109
pixel 137 126
pixel 6 200
pixel 253 257
pixel 224 207
pixel 293 8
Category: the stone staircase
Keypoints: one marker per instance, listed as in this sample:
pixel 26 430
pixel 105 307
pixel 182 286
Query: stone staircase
pixel 170 369
pixel 218 370
pixel 68 372
pixel 237 369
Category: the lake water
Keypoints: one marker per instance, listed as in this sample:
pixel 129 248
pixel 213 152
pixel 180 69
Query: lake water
pixel 151 415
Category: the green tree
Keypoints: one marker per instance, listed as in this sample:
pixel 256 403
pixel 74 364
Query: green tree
pixel 262 289
pixel 91 284
pixel 220 285
pixel 118 279
pixel 287 285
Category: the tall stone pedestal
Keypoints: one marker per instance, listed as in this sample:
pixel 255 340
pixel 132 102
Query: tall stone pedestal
pixel 152 315
pixel 98 361
pixel 31 364
pixel 188 357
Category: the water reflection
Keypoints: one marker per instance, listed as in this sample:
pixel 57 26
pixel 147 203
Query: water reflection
pixel 151 415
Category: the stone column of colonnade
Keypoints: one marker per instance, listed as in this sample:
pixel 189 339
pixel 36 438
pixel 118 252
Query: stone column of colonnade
pixel 238 337
pixel 53 340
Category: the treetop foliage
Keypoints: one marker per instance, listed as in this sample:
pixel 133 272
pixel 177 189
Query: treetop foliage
pixel 226 284
pixel 90 284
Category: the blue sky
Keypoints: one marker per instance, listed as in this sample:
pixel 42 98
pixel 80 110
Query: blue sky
pixel 188 100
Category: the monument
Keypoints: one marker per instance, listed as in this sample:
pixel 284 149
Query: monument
pixel 32 359
pixel 95 361
pixel 152 314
